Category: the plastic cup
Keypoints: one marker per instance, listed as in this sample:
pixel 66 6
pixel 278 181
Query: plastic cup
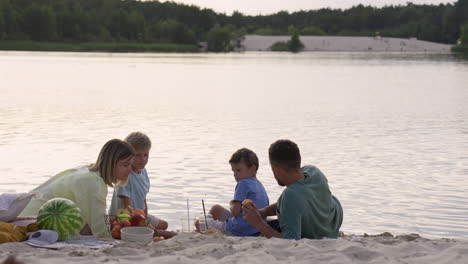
pixel 187 225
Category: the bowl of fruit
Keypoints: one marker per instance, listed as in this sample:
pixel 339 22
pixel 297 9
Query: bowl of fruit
pixel 130 225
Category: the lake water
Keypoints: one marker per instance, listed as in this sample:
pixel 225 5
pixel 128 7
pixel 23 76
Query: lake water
pixel 389 130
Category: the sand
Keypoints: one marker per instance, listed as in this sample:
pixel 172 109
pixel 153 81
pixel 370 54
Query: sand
pixel 197 248
pixel 336 43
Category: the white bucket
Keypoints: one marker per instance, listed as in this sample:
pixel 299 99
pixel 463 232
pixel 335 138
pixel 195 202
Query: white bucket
pixel 137 234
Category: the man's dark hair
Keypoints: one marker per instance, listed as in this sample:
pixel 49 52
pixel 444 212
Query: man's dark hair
pixel 247 156
pixel 285 154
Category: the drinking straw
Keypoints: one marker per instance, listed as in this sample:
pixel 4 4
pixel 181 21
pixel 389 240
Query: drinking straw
pixel 188 215
pixel 204 213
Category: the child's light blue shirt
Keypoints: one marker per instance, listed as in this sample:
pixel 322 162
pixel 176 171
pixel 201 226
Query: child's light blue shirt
pixel 252 189
pixel 137 188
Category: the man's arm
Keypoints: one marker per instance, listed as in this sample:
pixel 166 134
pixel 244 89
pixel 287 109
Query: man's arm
pixel 269 210
pixel 235 207
pixel 254 218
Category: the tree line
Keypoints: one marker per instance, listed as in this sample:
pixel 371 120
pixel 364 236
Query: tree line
pixel 169 22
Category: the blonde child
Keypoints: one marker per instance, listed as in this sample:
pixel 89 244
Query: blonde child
pixel 134 193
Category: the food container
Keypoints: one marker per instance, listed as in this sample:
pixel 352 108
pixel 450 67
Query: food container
pixel 137 234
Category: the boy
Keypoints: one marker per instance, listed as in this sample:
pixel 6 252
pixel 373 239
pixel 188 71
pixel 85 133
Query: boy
pixel 244 164
pixel 134 194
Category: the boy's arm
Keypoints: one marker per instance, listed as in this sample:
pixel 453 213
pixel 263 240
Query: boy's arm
pixel 254 218
pixel 235 207
pixel 126 202
pixel 146 208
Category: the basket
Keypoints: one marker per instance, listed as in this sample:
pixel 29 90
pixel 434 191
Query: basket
pixel 108 219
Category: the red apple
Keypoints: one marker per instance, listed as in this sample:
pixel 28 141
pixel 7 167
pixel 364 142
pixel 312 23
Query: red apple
pixel 116 228
pixel 125 223
pixel 138 220
pixel 116 231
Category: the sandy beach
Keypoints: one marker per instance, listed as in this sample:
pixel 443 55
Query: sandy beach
pixel 339 43
pixel 197 248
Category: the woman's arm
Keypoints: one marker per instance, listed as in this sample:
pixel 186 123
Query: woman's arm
pixel 93 208
pixel 90 194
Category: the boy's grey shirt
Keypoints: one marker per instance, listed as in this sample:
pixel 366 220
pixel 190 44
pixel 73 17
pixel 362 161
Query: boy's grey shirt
pixel 137 188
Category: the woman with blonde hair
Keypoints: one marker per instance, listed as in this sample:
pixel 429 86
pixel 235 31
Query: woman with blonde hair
pixel 87 186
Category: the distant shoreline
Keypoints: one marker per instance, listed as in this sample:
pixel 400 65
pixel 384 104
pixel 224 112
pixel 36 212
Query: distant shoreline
pixel 339 43
pixel 118 47
pixel 248 43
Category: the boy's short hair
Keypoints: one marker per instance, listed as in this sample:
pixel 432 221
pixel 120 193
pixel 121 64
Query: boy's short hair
pixel 285 154
pixel 247 156
pixel 138 140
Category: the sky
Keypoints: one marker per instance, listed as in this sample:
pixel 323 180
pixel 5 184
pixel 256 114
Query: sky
pixel 264 7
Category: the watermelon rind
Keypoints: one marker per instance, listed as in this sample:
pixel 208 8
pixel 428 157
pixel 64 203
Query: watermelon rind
pixel 61 215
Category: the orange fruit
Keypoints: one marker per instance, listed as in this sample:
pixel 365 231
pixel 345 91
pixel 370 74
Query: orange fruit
pixel 156 239
pixel 246 201
pixel 125 223
pixel 116 234
pixel 116 231
pixel 138 211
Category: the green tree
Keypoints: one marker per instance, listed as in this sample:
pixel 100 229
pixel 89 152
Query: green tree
pixel 279 46
pixel 104 35
pixel 312 31
pixel 172 31
pixel 292 30
pixel 461 11
pixel 295 44
pixel 73 23
pixel 264 32
pixel 164 30
pixel 136 26
pixel 464 35
pixel 237 19
pixel 11 17
pixel 219 39
pixel 126 26
pixel 2 24
pixel 40 23
pixel 146 21
pixel 449 24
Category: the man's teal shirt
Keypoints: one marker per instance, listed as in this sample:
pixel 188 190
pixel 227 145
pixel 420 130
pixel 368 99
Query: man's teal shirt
pixel 307 209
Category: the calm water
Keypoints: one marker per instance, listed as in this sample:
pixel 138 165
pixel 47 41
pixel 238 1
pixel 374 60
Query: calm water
pixel 389 130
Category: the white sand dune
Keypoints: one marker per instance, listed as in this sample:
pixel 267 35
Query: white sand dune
pixel 196 248
pixel 336 43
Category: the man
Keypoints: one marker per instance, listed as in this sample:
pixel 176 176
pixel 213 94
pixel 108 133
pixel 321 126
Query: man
pixel 306 208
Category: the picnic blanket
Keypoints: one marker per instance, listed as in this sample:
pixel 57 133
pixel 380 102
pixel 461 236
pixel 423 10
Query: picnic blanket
pixel 77 241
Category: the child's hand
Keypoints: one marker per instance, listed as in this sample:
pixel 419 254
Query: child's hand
pixel 235 207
